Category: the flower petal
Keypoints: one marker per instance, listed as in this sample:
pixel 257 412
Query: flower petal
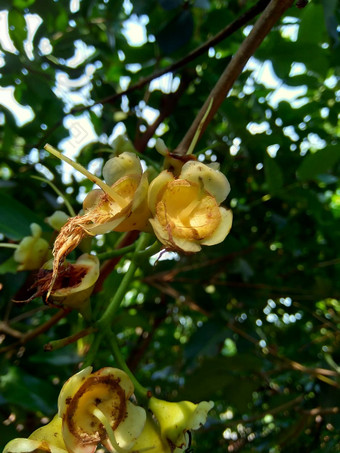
pixel 70 387
pixel 28 446
pixel 128 431
pixel 222 230
pixel 213 181
pixel 50 433
pixel 123 165
pixel 157 187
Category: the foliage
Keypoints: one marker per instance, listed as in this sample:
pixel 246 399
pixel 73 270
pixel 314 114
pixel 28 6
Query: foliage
pixel 252 323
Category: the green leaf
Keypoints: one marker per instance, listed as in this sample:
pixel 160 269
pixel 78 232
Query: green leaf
pixel 170 4
pixel 17 28
pixel 22 4
pixel 312 27
pixel 317 163
pixel 15 218
pixel 176 33
pixel 27 391
pixel 273 175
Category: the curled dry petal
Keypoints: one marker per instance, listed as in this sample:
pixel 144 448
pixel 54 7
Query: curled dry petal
pixel 106 391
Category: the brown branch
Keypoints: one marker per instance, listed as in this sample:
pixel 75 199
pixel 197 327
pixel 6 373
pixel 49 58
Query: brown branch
pixel 223 34
pixel 322 411
pixel 39 330
pixel 226 32
pixel 169 103
pixel 262 27
pixel 274 411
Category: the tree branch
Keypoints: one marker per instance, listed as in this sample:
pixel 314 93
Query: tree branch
pixel 200 50
pixel 262 27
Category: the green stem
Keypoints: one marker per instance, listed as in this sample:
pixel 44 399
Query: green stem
pixel 109 313
pixel 9 246
pixel 116 252
pixel 58 192
pixel 152 250
pixel 91 355
pixel 141 391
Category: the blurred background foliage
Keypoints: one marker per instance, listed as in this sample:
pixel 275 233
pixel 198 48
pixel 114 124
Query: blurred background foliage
pixel 252 323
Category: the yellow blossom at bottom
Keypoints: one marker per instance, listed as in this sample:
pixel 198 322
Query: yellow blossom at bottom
pixel 95 408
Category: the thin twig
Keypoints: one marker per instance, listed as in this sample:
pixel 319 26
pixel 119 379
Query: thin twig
pixel 262 27
pixel 200 50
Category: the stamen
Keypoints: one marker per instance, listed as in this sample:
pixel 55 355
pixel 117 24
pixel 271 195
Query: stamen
pixel 107 189
pixel 185 213
pixel 105 422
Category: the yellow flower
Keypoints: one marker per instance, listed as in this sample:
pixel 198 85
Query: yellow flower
pixel 176 419
pixel 48 438
pixel 32 251
pixel 186 209
pixel 120 205
pixel 95 408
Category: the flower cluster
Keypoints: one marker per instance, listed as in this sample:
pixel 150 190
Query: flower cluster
pixel 94 408
pixel 182 205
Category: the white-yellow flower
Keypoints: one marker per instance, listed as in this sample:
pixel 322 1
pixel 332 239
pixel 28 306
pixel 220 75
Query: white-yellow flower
pixel 95 408
pixel 176 419
pixel 186 209
pixel 48 438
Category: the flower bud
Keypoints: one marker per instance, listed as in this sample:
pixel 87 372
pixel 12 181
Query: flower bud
pixel 32 251
pixel 57 220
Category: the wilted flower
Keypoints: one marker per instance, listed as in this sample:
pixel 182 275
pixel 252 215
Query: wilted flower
pixel 32 251
pixel 120 205
pixel 75 282
pixel 186 209
pixel 73 285
pixel 48 438
pixel 95 408
pixel 176 419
